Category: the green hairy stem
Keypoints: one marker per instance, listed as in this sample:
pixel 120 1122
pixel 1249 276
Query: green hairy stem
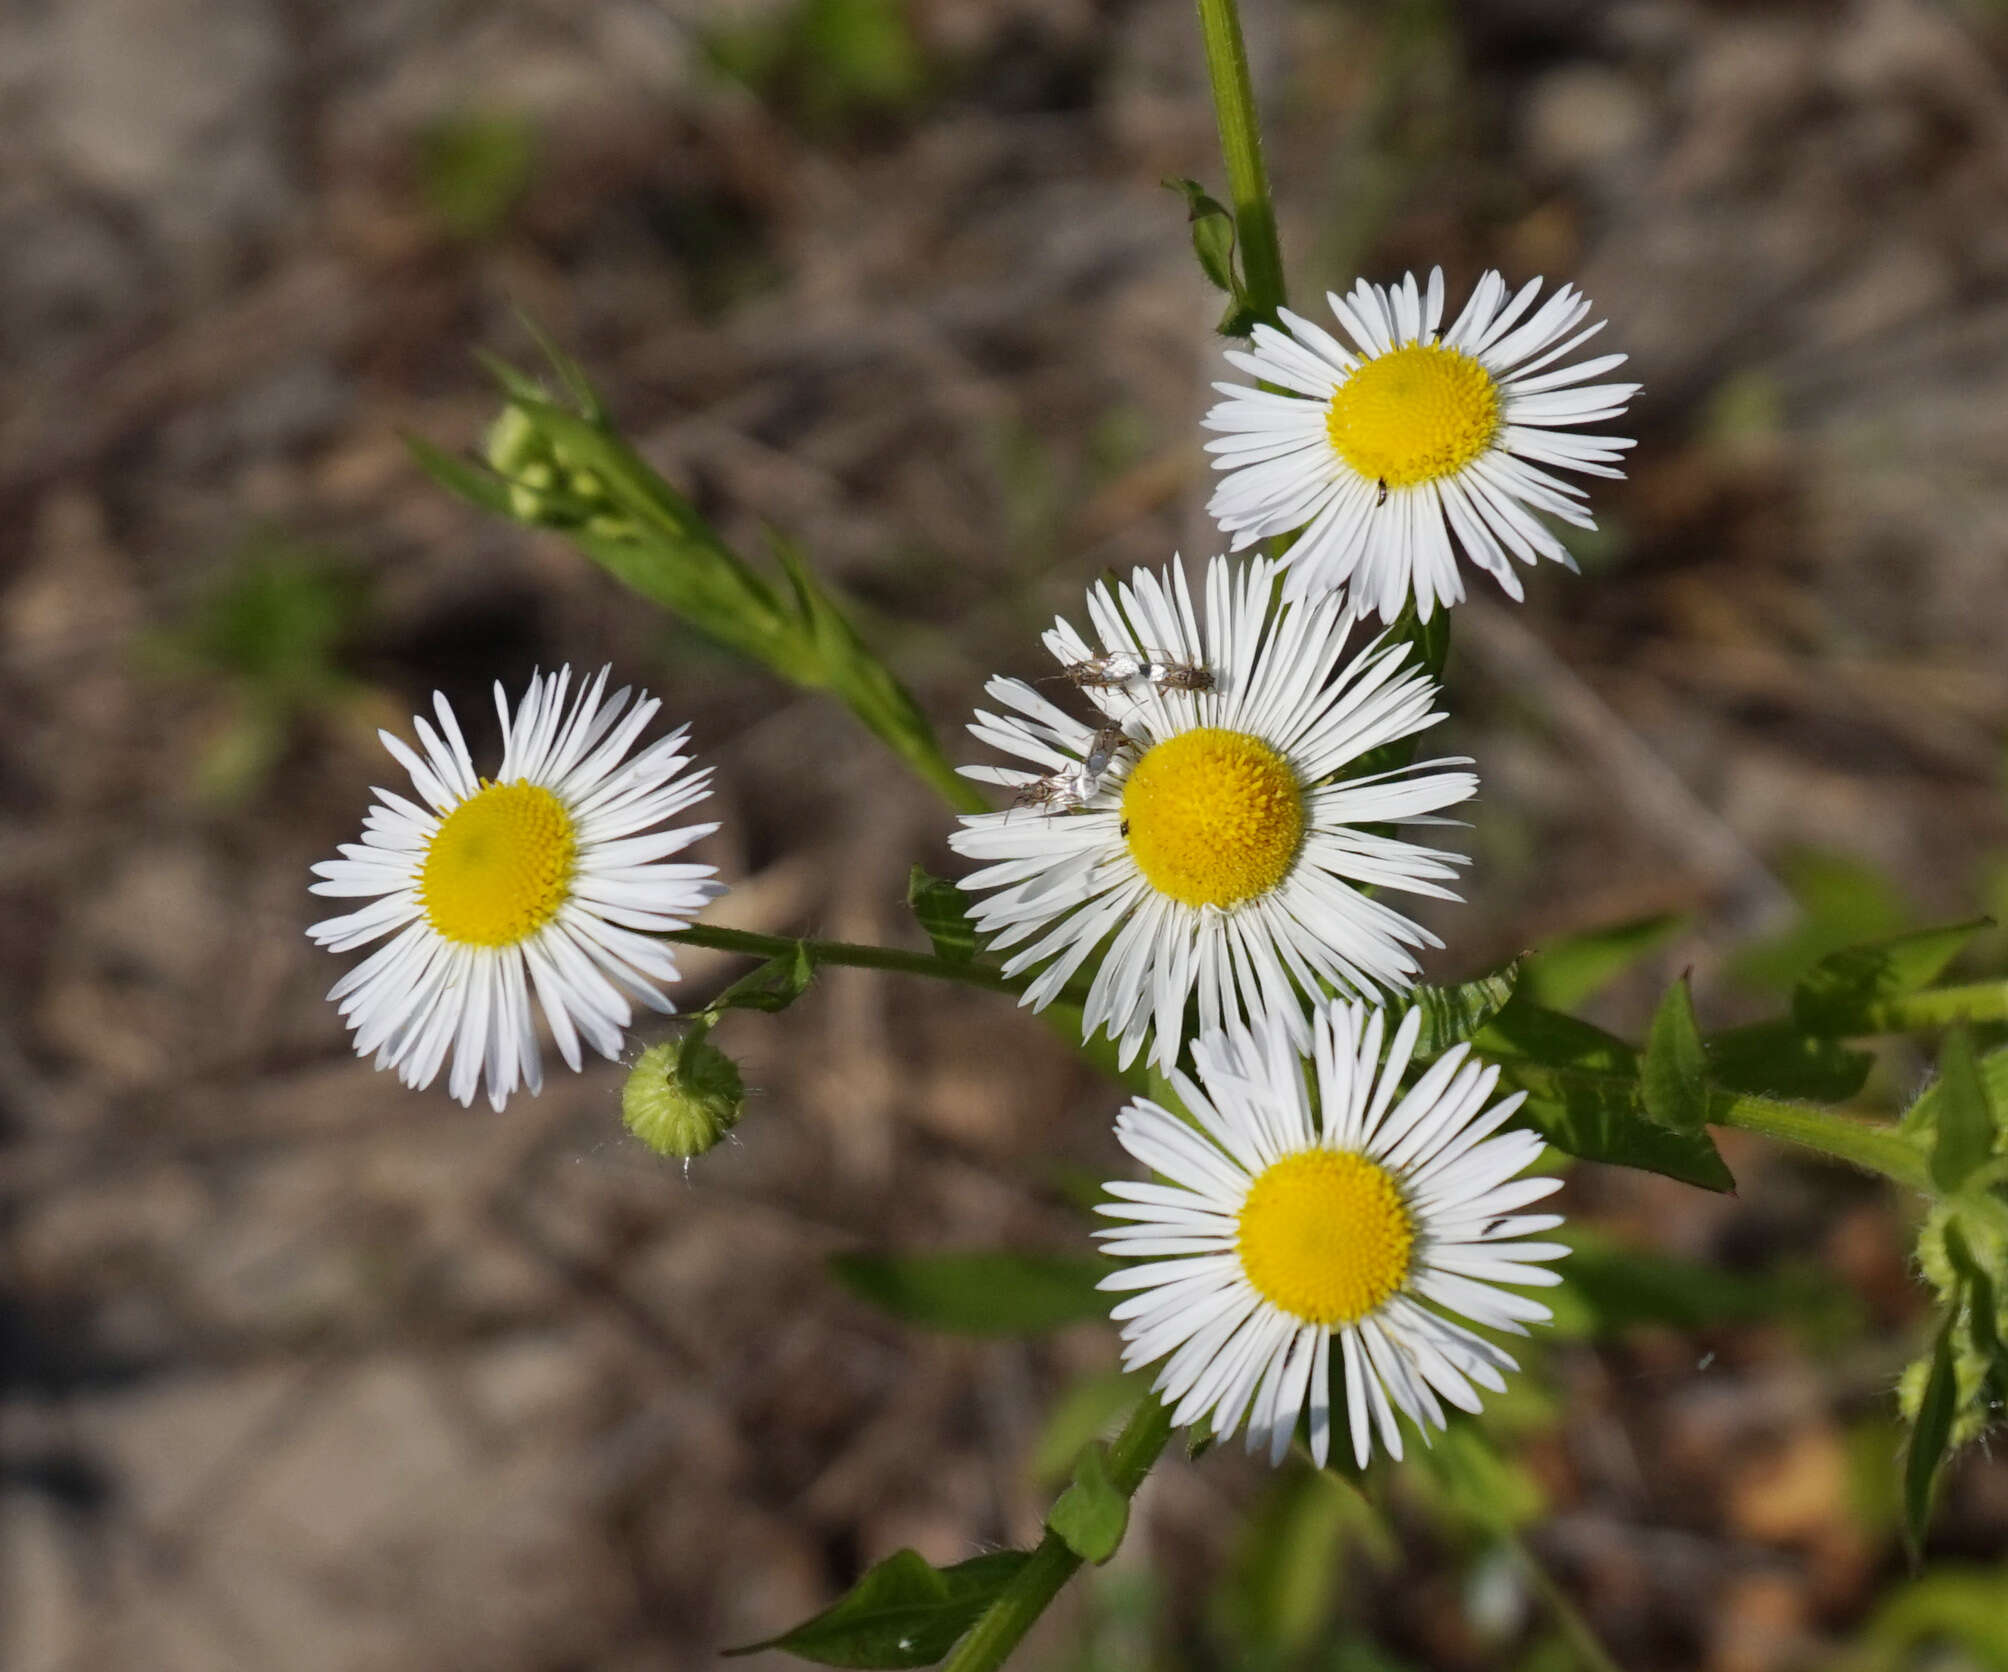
pixel 1052 1564
pixel 845 953
pixel 1241 147
pixel 1879 1149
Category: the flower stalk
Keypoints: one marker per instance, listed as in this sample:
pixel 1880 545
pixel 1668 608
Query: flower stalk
pixel 1865 1144
pixel 845 954
pixel 1241 147
pixel 1004 1623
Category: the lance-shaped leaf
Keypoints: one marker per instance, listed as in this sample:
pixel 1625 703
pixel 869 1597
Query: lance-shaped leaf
pixel 943 911
pixel 1598 1118
pixel 470 482
pixel 1932 1433
pixel 772 986
pixel 1838 994
pixel 978 1292
pixel 1213 237
pixel 1965 1135
pixel 1982 1322
pixel 1583 1095
pixel 1673 1078
pixel 1091 1516
pixel 1523 1031
pixel 903 1612
pixel 1212 230
pixel 1451 1015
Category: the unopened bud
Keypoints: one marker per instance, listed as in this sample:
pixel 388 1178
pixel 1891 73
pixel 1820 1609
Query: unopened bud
pixel 683 1096
pixel 515 446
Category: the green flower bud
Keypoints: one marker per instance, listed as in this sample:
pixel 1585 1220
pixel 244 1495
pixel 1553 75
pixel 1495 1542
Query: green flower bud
pixel 1974 1416
pixel 525 504
pixel 1977 1411
pixel 683 1096
pixel 514 445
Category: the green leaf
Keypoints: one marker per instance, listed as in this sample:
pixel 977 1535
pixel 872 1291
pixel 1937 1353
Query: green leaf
pixel 1774 1059
pixel 1834 994
pixel 1565 973
pixel 1526 1032
pixel 1237 320
pixel 978 1293
pixel 1673 1078
pixel 570 373
pixel 1451 1015
pixel 517 385
pixel 1980 1314
pixel 1091 1516
pixel 773 986
pixel 943 910
pixel 1601 1119
pixel 1583 1095
pixel 1212 230
pixel 901 1613
pixel 458 477
pixel 1965 1136
pixel 1931 1435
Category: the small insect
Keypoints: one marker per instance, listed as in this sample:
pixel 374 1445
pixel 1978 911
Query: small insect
pixel 1123 828
pixel 1120 669
pixel 1104 673
pixel 1108 743
pixel 1380 495
pixel 1058 792
pixel 1180 676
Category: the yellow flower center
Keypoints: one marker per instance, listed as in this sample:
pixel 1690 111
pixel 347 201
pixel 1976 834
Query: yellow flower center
pixel 499 866
pixel 1413 415
pixel 1324 1236
pixel 1213 817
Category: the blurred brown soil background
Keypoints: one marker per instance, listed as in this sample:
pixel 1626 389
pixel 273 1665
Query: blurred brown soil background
pixel 301 1370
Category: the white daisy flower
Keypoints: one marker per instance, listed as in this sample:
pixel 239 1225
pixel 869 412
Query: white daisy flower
pixel 1383 455
pixel 1279 1231
pixel 1217 851
pixel 548 875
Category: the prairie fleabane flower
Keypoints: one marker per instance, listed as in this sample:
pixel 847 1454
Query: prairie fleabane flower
pixel 1422 441
pixel 551 875
pixel 1297 1215
pixel 1217 848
